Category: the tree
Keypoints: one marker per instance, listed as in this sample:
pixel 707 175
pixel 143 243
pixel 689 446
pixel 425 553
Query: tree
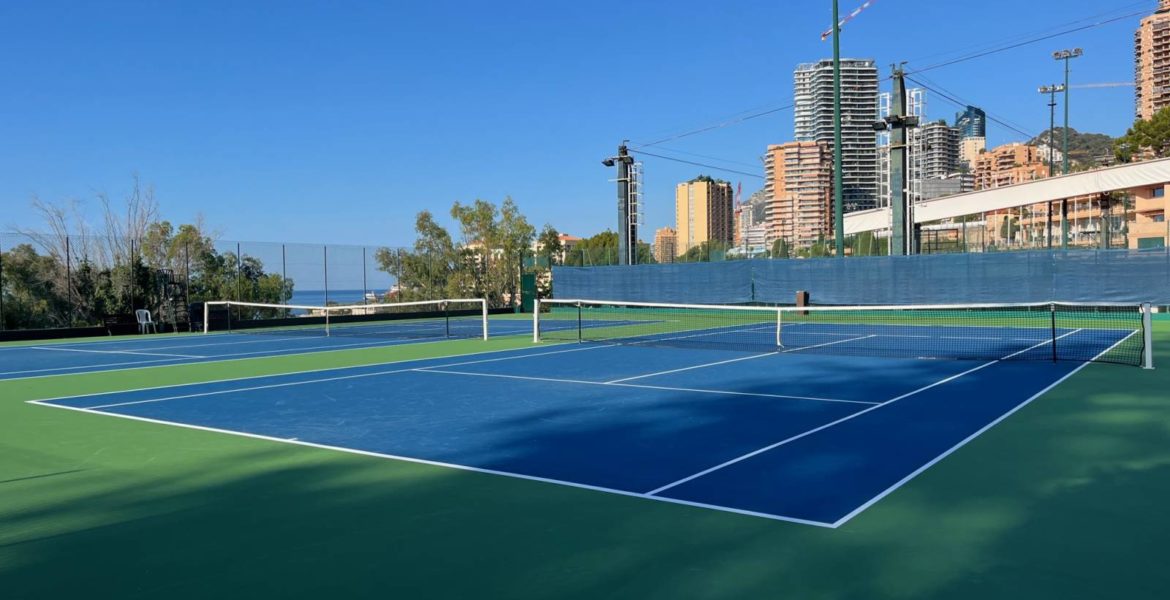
pixel 1007 229
pixel 713 250
pixel 1146 138
pixel 549 244
pixel 486 262
pixel 780 249
pixel 597 250
pixel 430 271
pixel 65 276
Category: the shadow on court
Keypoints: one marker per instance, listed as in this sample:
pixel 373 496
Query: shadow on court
pixel 1062 500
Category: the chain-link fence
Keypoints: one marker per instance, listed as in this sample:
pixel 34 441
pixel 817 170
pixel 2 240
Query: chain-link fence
pixel 57 281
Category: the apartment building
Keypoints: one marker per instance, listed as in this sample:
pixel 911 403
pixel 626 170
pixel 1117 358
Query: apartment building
pixel 1008 165
pixel 859 108
pixel 703 213
pixel 665 245
pixel 1152 62
pixel 798 180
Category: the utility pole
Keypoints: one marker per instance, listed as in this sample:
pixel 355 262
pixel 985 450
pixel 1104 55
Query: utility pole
pixel 1066 55
pixel 627 234
pixel 904 239
pixel 1052 90
pixel 838 192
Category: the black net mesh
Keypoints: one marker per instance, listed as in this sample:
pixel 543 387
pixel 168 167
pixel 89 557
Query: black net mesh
pixel 1101 333
pixel 414 320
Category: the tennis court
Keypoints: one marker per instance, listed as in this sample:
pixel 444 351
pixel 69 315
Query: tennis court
pixel 680 406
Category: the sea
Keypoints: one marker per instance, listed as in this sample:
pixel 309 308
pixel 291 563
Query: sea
pixel 318 297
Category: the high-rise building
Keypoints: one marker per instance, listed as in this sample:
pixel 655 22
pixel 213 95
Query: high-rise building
pixel 939 156
pixel 1008 165
pixel 665 243
pixel 814 122
pixel 1151 44
pixel 970 148
pixel 703 213
pixel 971 123
pixel 798 179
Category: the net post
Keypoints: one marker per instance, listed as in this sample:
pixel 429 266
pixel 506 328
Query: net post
pixel 536 321
pixel 580 333
pixel 446 319
pixel 206 321
pixel 327 312
pixel 485 318
pixel 1052 319
pixel 1147 337
pixel 779 324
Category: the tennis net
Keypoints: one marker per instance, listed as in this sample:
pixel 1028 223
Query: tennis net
pixel 1116 333
pixel 458 318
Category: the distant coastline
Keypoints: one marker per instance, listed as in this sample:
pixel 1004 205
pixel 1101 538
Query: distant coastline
pixel 317 297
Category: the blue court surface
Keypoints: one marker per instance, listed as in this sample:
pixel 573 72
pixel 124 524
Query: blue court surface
pixel 787 435
pixel 49 358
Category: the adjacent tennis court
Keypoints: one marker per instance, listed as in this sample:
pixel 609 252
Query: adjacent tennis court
pixel 727 409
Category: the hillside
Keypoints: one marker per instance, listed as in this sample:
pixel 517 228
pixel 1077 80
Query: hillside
pixel 1085 149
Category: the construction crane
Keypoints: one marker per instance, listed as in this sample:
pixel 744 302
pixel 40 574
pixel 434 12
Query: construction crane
pixel 826 35
pixel 1102 85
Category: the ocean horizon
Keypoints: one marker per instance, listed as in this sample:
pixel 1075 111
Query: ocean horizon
pixel 318 297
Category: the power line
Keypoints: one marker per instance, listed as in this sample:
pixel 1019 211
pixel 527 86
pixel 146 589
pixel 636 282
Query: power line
pixel 708 157
pixel 991 116
pixel 719 125
pixel 1024 43
pixel 1027 35
pixel 961 104
pixel 699 164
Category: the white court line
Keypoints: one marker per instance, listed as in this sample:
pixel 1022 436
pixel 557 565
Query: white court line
pixel 113 352
pixel 635 386
pixel 217 358
pixel 237 341
pixel 245 389
pixel 723 362
pixel 952 449
pixel 291 383
pixel 57 370
pixel 434 463
pixel 229 358
pixel 250 377
pixel 798 436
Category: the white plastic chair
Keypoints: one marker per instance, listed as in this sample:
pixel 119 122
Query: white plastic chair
pixel 144 321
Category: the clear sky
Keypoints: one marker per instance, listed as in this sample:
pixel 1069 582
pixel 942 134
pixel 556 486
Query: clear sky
pixel 336 122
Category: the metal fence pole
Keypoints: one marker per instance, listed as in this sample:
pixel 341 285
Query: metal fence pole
pixel 326 265
pixel 365 285
pixel 131 267
pixel 239 273
pixel 187 279
pixel 69 280
pixel 1 285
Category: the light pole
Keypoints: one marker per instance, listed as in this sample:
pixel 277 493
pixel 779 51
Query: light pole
pixel 1051 90
pixel 1066 55
pixel 838 193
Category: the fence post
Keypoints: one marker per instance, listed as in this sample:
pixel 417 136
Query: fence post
pixel 187 280
pixel 239 272
pixel 69 280
pixel 132 274
pixel 365 285
pixel 1 285
pixel 325 263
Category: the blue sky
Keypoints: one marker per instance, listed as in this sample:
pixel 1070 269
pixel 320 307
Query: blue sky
pixel 336 122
